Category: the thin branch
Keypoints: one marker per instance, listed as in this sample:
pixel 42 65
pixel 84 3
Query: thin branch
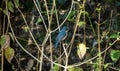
pixel 39 11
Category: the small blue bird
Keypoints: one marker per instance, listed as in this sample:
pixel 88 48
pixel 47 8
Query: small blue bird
pixel 61 36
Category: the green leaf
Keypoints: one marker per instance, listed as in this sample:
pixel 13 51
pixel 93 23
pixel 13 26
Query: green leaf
pixel 114 36
pixel 23 42
pixel 71 69
pixel 85 12
pixel 16 2
pixel 75 69
pixel 10 6
pixel 5 41
pixel 25 28
pixel 2 40
pixel 70 16
pixel 9 54
pixel 98 10
pixel 39 20
pixel 115 55
pixel 55 68
pixel 78 69
pixel 110 44
pixel 81 23
pixel 106 65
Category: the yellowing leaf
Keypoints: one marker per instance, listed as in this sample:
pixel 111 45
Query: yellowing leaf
pixel 81 50
pixel 9 53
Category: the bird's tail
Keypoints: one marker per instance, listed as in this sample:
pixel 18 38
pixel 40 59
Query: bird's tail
pixel 56 44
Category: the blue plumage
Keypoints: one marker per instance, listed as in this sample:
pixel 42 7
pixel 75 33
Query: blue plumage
pixel 60 36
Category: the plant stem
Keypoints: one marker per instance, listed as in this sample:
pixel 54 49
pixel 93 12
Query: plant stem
pixel 99 47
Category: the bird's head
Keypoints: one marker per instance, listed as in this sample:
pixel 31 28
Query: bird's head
pixel 65 28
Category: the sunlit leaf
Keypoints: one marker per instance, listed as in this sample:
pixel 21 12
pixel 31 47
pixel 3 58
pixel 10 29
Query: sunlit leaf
pixel 10 6
pixel 9 54
pixel 39 20
pixel 98 9
pixel 25 28
pixel 81 50
pixel 81 23
pixel 85 12
pixel 115 55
